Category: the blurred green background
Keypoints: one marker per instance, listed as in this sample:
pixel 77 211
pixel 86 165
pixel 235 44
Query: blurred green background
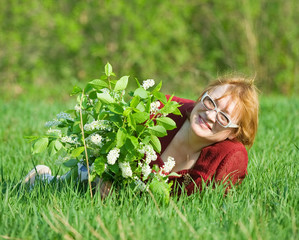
pixel 48 46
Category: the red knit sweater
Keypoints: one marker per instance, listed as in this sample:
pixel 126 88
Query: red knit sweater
pixel 222 161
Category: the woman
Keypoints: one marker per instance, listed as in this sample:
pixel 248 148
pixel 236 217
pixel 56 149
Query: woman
pixel 210 138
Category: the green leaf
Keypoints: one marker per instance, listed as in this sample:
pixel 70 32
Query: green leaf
pixel 141 93
pixel 134 141
pixel 76 127
pixel 127 111
pixel 156 143
pixel 114 168
pixel 134 102
pixel 40 145
pixel 166 122
pixel 51 149
pixel 77 151
pixel 31 138
pixel 174 174
pixel 131 122
pixel 108 69
pixel 58 145
pixel 141 117
pixel 92 95
pixel 158 87
pixel 54 147
pixel 138 84
pixel 116 108
pixel 98 84
pixel 177 112
pixel 121 84
pixel 71 163
pixel 99 165
pixel 141 107
pixel 158 131
pixel 171 107
pixel 121 137
pixel 160 96
pixel 97 106
pixel 105 98
pixel 88 88
pixel 160 190
pixel 76 90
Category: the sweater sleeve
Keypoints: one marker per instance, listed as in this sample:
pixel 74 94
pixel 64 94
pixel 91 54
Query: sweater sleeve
pixel 227 167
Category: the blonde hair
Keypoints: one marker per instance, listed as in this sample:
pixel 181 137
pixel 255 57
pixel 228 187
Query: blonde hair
pixel 243 91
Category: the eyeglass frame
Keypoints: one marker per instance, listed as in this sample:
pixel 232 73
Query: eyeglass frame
pixel 230 123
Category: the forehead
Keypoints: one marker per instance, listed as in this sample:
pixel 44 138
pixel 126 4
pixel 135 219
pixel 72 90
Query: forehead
pixel 218 91
pixel 223 100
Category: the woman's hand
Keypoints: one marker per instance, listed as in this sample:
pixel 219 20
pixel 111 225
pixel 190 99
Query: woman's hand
pixel 103 187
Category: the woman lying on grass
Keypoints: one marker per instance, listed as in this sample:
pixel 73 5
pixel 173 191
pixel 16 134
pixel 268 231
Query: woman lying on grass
pixel 209 141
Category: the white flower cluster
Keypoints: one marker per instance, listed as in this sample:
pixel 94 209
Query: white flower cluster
pixel 95 138
pixel 113 155
pixel 141 186
pixel 149 152
pixel 64 115
pixel 69 139
pixel 53 123
pixel 146 170
pixel 54 131
pixel 77 108
pixel 98 125
pixel 155 107
pixel 146 84
pixel 169 165
pixel 125 169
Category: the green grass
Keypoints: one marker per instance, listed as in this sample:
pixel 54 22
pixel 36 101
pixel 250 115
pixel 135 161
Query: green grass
pixel 265 206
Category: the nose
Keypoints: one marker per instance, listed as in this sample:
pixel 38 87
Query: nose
pixel 211 115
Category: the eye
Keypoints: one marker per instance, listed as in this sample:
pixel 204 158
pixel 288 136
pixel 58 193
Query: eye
pixel 222 118
pixel 209 104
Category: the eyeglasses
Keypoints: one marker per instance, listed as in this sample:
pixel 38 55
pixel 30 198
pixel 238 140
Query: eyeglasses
pixel 222 118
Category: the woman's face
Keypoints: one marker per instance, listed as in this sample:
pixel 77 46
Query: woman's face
pixel 203 122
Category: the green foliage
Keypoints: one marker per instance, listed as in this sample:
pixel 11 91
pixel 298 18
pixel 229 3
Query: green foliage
pixel 109 133
pixel 264 206
pixel 185 43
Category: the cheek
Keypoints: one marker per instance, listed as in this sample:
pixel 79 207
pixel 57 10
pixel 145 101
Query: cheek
pixel 224 134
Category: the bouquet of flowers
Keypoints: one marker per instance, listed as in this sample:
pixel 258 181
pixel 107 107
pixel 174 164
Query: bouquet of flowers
pixel 114 134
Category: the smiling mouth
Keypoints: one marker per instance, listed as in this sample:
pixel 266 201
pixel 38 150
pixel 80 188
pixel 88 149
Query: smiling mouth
pixel 204 122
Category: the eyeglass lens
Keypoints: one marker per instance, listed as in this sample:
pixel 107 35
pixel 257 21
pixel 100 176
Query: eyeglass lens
pixel 210 105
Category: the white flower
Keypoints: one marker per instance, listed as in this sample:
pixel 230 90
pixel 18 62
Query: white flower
pixel 125 169
pixel 113 155
pixel 54 131
pixel 154 107
pixel 149 152
pixel 169 165
pixel 69 139
pixel 53 123
pixel 64 115
pixel 148 83
pixel 77 108
pixel 146 170
pixel 95 139
pixel 98 125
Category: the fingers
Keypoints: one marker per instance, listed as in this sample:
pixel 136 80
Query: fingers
pixel 105 188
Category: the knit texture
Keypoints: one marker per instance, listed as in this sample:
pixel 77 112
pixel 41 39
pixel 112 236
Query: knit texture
pixel 224 161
